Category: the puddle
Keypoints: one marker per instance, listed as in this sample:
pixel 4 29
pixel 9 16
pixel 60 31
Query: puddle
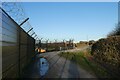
pixel 44 66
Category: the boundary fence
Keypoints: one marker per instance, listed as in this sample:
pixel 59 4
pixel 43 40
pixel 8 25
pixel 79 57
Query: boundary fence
pixel 17 47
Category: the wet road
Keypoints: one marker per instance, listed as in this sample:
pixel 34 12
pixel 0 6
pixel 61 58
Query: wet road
pixel 55 67
pixel 60 67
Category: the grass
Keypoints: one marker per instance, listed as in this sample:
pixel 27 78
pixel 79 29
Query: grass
pixel 85 60
pixel 50 49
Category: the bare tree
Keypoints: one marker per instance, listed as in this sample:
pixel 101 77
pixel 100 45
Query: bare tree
pixel 116 31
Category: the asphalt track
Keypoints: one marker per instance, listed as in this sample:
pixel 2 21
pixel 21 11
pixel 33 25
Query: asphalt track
pixel 58 67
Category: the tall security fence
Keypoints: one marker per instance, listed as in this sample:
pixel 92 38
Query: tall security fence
pixel 16 11
pixel 17 47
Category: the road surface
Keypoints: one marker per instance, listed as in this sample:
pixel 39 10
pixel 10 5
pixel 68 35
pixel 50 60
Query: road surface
pixel 59 67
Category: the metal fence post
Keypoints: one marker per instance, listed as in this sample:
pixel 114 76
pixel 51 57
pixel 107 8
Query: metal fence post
pixel 19 43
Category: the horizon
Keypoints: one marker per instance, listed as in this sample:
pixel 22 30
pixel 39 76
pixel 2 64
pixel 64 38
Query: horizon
pixel 81 21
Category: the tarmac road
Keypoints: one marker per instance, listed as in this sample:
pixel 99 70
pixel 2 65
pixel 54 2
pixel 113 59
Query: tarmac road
pixel 60 67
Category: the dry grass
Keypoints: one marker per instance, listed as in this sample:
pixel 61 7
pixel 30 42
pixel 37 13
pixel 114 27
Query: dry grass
pixel 80 45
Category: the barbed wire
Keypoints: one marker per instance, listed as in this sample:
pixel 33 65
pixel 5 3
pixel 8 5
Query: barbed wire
pixel 16 11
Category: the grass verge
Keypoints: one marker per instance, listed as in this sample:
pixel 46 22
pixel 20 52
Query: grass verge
pixel 85 61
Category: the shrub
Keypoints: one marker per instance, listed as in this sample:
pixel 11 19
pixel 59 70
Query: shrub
pixel 116 31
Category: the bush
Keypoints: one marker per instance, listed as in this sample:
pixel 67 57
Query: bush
pixel 115 32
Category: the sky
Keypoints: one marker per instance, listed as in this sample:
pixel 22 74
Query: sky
pixel 80 21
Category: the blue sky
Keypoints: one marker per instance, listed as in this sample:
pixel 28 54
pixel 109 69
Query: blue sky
pixel 77 20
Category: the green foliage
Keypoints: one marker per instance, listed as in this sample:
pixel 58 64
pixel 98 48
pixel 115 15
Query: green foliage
pixel 85 63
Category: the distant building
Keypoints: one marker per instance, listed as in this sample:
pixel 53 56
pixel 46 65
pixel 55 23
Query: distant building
pixel 57 46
